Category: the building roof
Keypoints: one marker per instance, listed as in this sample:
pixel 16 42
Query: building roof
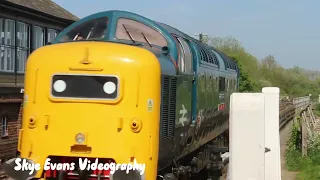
pixel 46 6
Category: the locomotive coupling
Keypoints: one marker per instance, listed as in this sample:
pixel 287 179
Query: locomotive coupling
pixel 20 168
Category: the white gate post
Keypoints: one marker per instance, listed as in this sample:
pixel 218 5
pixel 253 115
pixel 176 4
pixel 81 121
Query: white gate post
pixel 247 149
pixel 272 135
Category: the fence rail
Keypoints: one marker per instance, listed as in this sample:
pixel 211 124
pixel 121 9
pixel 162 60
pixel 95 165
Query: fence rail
pixel 301 102
pixel 288 108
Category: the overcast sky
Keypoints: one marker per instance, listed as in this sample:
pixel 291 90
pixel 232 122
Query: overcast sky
pixel 287 29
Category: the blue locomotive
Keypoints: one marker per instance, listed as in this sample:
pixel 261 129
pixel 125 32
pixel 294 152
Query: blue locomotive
pixel 166 100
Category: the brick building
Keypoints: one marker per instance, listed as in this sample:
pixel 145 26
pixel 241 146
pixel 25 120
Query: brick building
pixel 25 25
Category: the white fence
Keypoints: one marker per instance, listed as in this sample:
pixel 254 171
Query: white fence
pixel 254 135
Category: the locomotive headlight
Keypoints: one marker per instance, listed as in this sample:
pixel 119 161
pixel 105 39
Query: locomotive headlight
pixel 109 87
pixel 80 138
pixel 59 85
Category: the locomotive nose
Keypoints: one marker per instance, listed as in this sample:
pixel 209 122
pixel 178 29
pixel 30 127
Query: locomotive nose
pixel 92 99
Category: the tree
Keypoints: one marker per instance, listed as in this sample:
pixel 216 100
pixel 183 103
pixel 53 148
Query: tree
pixel 255 74
pixel 245 84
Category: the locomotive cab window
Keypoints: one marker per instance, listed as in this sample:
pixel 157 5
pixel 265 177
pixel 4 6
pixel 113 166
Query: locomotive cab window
pixel 222 84
pixel 185 56
pixel 128 29
pixel 93 29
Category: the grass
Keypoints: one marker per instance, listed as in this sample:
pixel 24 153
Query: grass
pixel 308 166
pixel 310 172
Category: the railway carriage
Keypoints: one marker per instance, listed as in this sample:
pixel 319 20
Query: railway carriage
pixel 118 86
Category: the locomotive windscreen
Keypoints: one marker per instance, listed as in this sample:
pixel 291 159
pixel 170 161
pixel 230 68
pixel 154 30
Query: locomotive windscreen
pixel 94 29
pixel 85 86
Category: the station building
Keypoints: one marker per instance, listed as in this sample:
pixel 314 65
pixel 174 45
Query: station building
pixel 25 25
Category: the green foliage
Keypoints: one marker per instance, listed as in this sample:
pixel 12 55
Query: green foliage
pixel 245 83
pixel 317 109
pixel 313 151
pixel 256 74
pixel 293 156
pixel 310 172
pixel 308 166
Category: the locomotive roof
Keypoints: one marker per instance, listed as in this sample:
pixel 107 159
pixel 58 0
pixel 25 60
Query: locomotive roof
pixel 206 51
pixel 228 62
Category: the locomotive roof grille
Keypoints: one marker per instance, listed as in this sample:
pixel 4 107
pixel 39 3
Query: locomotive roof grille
pixel 231 64
pixel 207 55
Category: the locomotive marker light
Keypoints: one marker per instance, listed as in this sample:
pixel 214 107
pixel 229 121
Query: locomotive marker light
pixel 80 138
pixel 109 87
pixel 59 85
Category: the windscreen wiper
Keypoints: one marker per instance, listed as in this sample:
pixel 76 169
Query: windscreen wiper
pixel 90 33
pixel 76 36
pixel 128 33
pixel 146 39
pixel 133 41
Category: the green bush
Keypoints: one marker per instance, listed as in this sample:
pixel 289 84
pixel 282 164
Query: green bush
pixel 308 166
pixel 293 156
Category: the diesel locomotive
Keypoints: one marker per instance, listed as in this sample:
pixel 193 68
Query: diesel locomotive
pixel 120 87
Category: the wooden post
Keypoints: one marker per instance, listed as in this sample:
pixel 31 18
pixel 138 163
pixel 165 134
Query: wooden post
pixel 304 134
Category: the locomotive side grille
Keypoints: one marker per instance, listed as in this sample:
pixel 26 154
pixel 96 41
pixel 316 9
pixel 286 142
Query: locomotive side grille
pixel 164 107
pixel 168 106
pixel 172 106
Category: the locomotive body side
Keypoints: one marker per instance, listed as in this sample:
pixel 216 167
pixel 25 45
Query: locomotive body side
pixel 203 93
pixel 170 99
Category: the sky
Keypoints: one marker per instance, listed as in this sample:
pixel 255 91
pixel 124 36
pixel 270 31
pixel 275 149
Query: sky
pixel 287 29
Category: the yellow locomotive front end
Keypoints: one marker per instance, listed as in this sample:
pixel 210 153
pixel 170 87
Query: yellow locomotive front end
pixel 92 100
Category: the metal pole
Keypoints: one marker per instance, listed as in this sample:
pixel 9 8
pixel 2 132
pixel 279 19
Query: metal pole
pixel 201 35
